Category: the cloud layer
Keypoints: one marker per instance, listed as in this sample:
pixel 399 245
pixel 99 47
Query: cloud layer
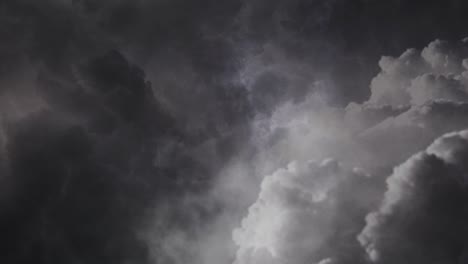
pixel 140 131
pixel 306 213
pixel 422 218
pixel 302 210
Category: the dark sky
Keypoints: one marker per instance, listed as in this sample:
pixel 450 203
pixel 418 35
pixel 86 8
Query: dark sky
pixel 105 106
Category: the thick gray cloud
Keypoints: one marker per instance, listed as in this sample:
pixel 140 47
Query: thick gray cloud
pixel 416 98
pixel 306 213
pixel 413 130
pixel 422 218
pixel 88 145
pixel 82 154
pixel 161 117
pixel 416 77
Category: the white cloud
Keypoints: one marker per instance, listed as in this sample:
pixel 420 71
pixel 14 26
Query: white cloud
pixel 416 77
pixel 298 216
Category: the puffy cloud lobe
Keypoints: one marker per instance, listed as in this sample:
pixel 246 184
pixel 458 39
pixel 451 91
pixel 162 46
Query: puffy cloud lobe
pixel 306 213
pixel 423 216
pixel 416 97
pixel 445 57
pixel 417 77
pixel 389 86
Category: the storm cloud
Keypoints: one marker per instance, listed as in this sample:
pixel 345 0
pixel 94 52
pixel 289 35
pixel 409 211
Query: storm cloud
pixel 143 131
pixel 415 99
pixel 422 217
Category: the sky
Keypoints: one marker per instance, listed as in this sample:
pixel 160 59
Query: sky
pixel 233 131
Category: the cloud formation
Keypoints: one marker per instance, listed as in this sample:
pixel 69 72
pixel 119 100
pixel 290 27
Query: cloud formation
pixel 415 99
pixel 422 218
pixel 125 117
pixel 425 94
pixel 416 77
pixel 306 213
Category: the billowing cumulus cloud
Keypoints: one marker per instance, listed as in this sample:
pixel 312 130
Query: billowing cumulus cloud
pixel 416 98
pixel 422 218
pixel 420 76
pixel 416 77
pixel 306 213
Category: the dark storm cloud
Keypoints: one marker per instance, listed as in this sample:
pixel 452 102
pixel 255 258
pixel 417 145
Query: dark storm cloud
pixel 423 216
pixel 96 150
pixel 80 169
pixel 112 111
pixel 67 206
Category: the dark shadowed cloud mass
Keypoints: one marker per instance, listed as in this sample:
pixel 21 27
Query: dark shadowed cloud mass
pixel 233 131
